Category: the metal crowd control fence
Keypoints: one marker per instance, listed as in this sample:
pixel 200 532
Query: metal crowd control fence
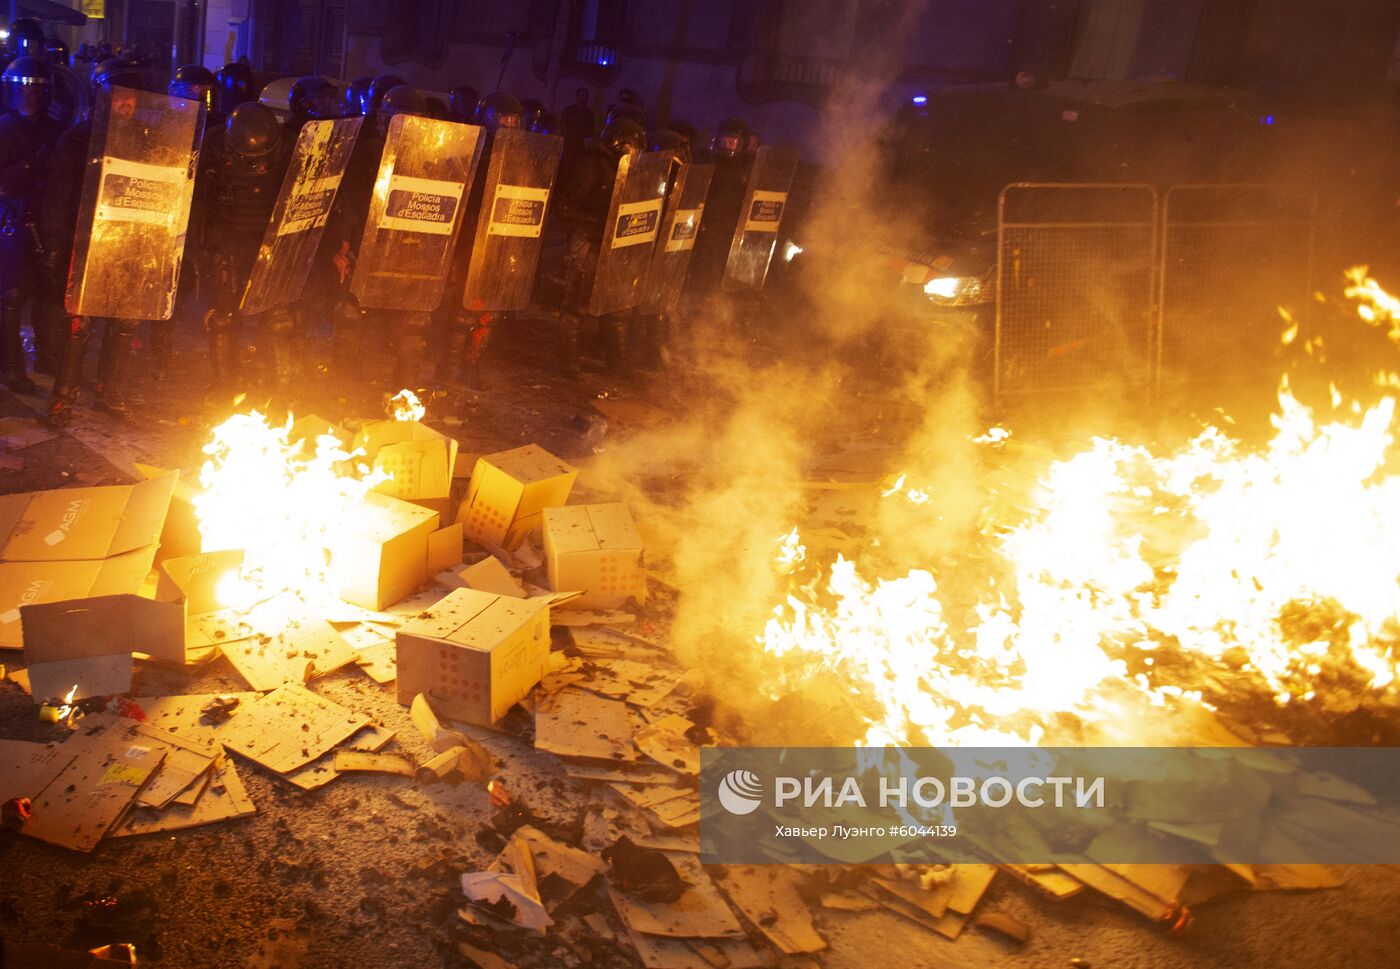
pixel 1076 267
pixel 1231 255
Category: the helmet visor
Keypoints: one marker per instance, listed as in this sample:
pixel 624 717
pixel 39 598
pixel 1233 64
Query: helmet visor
pixel 27 97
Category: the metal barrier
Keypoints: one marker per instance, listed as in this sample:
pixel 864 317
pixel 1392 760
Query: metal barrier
pixel 1231 255
pixel 1076 266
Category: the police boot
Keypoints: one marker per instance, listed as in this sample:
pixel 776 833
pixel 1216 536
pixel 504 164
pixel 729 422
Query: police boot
pixel 347 337
pixel 569 326
pixel 279 332
pixel 70 373
pixel 12 362
pixel 112 359
pixel 223 353
pixel 408 355
pixel 161 348
pixel 616 350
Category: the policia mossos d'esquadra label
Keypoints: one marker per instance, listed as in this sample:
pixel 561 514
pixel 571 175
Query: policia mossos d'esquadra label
pixel 637 223
pixel 684 228
pixel 309 205
pixel 135 191
pixel 518 210
pixel 421 205
pixel 765 211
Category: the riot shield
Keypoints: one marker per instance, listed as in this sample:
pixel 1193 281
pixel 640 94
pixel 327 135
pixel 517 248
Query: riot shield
pixel 670 259
pixel 135 205
pixel 756 235
pixel 506 246
pixel 634 221
pixel 293 234
pixel 415 214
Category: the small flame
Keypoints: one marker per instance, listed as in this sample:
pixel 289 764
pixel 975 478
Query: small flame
pixel 996 436
pixel 405 406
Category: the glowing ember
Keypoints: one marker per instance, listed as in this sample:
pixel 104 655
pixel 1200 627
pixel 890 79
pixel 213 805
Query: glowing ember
pixel 1281 562
pixel 405 406
pixel 286 504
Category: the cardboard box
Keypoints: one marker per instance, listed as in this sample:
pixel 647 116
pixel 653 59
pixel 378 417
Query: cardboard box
pixel 76 543
pixel 389 558
pixel 418 459
pixel 473 654
pixel 180 536
pixel 596 550
pixel 509 490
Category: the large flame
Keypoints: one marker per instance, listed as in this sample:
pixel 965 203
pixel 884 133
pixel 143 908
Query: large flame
pixel 285 503
pixel 1279 563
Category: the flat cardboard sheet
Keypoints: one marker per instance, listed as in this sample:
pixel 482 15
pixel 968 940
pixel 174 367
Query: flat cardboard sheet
pixel 700 912
pixel 666 743
pixel 575 723
pixel 223 799
pixel 289 728
pixel 769 898
pixel 26 768
pixel 111 762
pixel 321 771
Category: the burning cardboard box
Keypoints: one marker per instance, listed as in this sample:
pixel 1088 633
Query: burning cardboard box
pixel 474 654
pixel 398 549
pixel 509 491
pixel 418 460
pixel 75 543
pixel 594 549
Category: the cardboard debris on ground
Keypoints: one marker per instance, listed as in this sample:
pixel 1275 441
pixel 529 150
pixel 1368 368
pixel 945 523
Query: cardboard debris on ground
pixel 769 898
pixel 26 768
pixel 293 648
pixel 109 764
pixel 699 913
pixel 289 728
pixel 321 771
pixel 1046 878
pixel 657 952
pixel 488 575
pixel 186 766
pixel 379 662
pixel 624 772
pixel 491 888
pixel 223 799
pixel 347 761
pixel 673 807
pixel 469 759
pixel 945 908
pixel 577 723
pixel 665 742
pixel 475 654
pixel 440 738
pixel 560 869
pixel 640 684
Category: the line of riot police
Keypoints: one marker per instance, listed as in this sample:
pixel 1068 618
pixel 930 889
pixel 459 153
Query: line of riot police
pixel 367 214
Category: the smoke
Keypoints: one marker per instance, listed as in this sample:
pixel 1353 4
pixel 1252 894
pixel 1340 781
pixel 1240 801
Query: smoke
pixel 855 383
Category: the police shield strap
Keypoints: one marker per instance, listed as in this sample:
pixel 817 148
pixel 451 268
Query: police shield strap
pixel 415 214
pixel 506 244
pixel 289 245
pixel 634 222
pixel 680 226
pixel 135 205
pixel 765 203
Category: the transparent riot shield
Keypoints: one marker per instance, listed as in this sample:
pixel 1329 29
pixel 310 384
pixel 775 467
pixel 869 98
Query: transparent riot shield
pixel 765 202
pixel 299 217
pixel 415 214
pixel 135 205
pixel 634 221
pixel 680 225
pixel 506 246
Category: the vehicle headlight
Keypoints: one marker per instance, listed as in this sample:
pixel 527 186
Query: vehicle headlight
pixel 955 290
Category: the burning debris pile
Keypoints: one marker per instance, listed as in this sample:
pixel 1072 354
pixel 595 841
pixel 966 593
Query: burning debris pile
pixel 1121 587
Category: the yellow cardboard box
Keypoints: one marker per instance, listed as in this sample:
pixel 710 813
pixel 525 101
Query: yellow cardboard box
pixel 594 549
pixel 418 459
pixel 389 558
pixel 509 490
pixel 474 654
pixel 75 543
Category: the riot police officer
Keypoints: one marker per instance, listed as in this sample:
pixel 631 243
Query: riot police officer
pixel 240 170
pixel 235 86
pixel 194 82
pixel 463 334
pixel 26 40
pixel 27 136
pixel 357 96
pixel 584 196
pixel 461 102
pixel 313 98
pixel 729 154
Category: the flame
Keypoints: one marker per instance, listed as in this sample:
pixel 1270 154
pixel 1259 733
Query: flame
pixel 286 504
pixel 1130 575
pixel 405 406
